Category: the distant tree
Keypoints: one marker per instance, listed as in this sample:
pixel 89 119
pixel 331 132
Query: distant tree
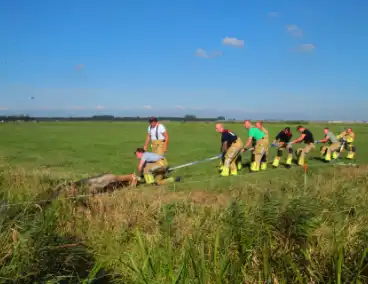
pixel 190 117
pixel 221 118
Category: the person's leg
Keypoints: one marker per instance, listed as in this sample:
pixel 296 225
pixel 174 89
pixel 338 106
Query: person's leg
pixel 265 155
pixel 147 173
pixel 158 147
pixel 323 151
pixel 331 149
pixel 352 150
pixel 229 156
pixel 259 152
pixel 289 158
pixel 277 159
pixel 303 152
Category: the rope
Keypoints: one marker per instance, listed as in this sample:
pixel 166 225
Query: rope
pixel 182 183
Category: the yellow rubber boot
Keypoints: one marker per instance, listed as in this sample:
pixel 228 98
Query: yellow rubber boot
pixel 225 172
pixel 234 172
pixel 254 167
pixel 252 164
pixel 350 156
pixel 263 166
pixel 301 160
pixel 276 162
pixel 257 167
pixel 149 178
pixel 239 166
pixel 289 160
pixel 328 157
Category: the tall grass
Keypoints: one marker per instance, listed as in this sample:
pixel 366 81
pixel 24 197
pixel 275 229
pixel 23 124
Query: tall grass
pixel 278 232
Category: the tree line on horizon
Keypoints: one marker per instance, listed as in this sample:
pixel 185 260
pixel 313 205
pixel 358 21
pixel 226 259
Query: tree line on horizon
pixel 186 118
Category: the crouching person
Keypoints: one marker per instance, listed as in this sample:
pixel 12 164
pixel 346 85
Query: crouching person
pixel 332 147
pixel 154 167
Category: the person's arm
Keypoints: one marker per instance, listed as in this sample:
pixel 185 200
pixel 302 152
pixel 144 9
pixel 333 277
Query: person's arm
pixel 166 135
pixel 276 138
pixel 341 135
pixel 264 130
pixel 224 146
pixel 298 139
pixel 291 136
pixel 249 142
pixel 148 138
pixel 140 165
pixel 250 139
pixel 324 140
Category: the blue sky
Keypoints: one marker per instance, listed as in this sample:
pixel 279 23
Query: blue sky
pixel 272 58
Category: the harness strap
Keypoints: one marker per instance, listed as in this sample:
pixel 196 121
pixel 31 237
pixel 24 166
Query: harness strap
pixel 156 131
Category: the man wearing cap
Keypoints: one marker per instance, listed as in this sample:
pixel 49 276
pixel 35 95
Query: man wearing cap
pixel 158 136
pixel 153 167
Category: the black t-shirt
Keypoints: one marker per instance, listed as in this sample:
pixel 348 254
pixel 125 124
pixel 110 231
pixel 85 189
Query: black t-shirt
pixel 284 137
pixel 229 137
pixel 308 138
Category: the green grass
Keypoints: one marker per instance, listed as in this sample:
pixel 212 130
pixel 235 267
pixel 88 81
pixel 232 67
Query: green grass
pixel 268 227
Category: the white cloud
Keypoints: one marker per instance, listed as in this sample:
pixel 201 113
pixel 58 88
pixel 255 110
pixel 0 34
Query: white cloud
pixel 306 47
pixel 201 53
pixel 147 107
pixel 179 107
pixel 204 54
pixel 100 107
pixel 294 30
pixel 233 41
pixel 3 108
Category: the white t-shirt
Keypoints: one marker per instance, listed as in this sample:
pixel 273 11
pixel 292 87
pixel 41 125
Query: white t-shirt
pixel 158 130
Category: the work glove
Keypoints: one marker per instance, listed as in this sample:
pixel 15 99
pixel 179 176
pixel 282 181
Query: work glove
pixel 317 141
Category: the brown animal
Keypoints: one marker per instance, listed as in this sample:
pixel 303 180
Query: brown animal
pixel 105 182
pixel 93 185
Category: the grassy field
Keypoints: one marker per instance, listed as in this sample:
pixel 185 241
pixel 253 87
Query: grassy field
pixel 267 227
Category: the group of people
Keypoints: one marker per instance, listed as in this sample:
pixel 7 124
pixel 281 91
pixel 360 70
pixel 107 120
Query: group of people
pixel 153 165
pixel 258 144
